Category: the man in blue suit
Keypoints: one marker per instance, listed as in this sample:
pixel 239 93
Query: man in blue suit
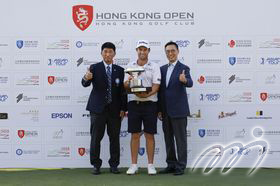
pixel 107 105
pixel 174 109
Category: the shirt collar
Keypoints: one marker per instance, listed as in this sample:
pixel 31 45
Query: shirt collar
pixel 173 64
pixel 105 64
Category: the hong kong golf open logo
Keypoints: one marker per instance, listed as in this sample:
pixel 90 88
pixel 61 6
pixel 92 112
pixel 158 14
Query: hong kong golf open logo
pixel 82 16
pixel 238 150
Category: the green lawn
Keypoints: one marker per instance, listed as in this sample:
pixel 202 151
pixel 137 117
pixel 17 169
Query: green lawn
pixel 67 177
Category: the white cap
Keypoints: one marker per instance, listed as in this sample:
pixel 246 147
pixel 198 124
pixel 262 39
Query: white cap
pixel 143 43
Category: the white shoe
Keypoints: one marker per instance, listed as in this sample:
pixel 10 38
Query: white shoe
pixel 151 169
pixel 133 169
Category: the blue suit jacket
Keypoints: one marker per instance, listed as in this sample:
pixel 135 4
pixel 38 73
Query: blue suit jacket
pixel 173 99
pixel 97 98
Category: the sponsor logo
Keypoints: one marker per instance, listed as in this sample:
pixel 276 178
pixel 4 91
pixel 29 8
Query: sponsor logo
pixel 226 114
pixel 209 79
pixel 57 62
pixel 82 16
pixel 209 97
pixel 3 115
pixel 239 60
pixel 3 97
pixel 4 134
pixel 19 43
pixel 259 115
pixel 28 80
pixel 240 43
pixel 63 152
pixel 81 151
pixel 19 152
pixel 27 133
pixel 274 43
pixel 82 133
pixel 209 132
pixel 270 60
pixel 264 96
pixel 183 43
pixel 241 98
pixel 21 97
pixel 269 80
pixel 196 115
pixel 58 134
pixel 205 43
pixel 141 151
pixel 63 44
pixel 123 134
pixel 61 115
pixel 201 132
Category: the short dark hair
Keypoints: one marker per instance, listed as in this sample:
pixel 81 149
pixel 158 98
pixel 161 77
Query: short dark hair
pixel 171 43
pixel 108 45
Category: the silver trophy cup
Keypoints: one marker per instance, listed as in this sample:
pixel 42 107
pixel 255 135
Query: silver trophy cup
pixel 136 84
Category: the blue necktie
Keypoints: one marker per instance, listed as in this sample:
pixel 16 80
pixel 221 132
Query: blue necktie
pixel 168 73
pixel 109 88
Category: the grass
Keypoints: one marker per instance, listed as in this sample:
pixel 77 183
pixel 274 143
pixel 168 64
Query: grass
pixel 83 177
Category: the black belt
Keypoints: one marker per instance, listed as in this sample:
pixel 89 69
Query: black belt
pixel 142 102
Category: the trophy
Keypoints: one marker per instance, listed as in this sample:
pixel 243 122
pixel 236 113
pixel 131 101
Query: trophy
pixel 136 84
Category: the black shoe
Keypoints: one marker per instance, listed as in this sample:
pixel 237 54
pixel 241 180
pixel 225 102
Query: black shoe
pixel 114 170
pixel 167 170
pixel 96 171
pixel 178 172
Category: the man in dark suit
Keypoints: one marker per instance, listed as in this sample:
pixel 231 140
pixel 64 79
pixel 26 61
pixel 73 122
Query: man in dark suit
pixel 107 105
pixel 174 109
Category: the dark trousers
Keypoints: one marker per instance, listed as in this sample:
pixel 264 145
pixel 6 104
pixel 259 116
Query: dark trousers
pixel 97 129
pixel 175 127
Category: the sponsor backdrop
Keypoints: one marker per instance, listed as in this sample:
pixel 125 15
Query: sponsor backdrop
pixel 231 47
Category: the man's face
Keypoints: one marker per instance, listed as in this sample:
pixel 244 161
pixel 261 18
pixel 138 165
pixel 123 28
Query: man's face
pixel 171 53
pixel 143 53
pixel 108 54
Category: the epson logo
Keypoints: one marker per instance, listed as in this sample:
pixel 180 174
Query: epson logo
pixel 58 62
pixel 61 115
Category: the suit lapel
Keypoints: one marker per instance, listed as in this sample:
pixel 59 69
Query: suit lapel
pixel 173 76
pixel 114 74
pixel 163 78
pixel 103 72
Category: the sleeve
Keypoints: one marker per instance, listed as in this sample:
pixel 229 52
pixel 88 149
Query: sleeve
pixel 188 77
pixel 123 94
pixel 86 83
pixel 156 75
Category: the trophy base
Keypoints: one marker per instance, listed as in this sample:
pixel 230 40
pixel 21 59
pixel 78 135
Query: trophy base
pixel 139 90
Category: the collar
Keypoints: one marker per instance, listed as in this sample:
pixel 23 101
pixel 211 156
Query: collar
pixel 174 64
pixel 105 64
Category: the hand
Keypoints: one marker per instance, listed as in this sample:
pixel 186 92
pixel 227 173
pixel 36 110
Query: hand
pixel 122 114
pixel 142 94
pixel 160 116
pixel 88 75
pixel 182 77
pixel 130 78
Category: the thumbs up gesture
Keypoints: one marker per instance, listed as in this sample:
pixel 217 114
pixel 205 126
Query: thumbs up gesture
pixel 182 77
pixel 88 75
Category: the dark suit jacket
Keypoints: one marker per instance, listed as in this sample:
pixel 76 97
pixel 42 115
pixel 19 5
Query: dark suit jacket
pixel 173 99
pixel 97 98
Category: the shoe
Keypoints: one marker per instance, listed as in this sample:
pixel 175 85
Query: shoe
pixel 133 169
pixel 114 170
pixel 167 170
pixel 151 169
pixel 96 171
pixel 178 172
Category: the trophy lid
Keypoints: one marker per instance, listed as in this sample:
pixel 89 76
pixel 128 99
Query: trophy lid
pixel 134 69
